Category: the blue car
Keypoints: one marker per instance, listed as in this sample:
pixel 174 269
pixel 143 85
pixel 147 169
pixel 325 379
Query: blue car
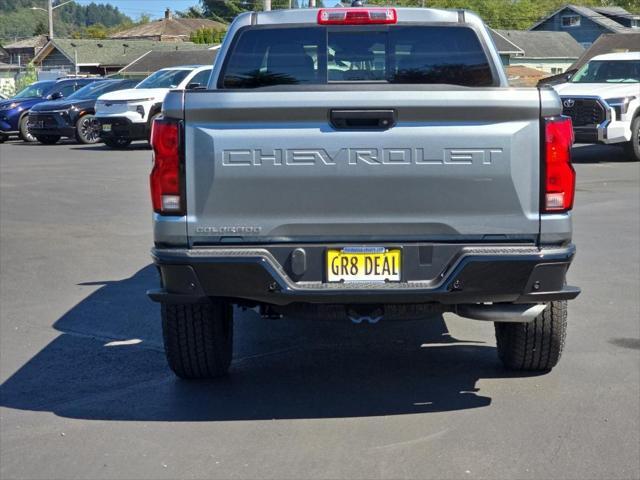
pixel 14 111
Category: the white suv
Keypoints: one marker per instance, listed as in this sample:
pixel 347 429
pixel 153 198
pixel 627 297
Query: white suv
pixel 603 100
pixel 127 115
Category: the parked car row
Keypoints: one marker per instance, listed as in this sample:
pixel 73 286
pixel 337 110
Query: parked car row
pixel 91 110
pixel 14 111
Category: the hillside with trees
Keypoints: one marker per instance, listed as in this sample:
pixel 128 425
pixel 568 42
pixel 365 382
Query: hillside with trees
pixel 17 20
pixel 506 14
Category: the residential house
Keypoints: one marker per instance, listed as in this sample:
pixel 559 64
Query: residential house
pixel 612 43
pixel 155 60
pixel 550 52
pixel 100 57
pixel 4 55
pixel 505 47
pixel 168 29
pixel 620 15
pixel 585 24
pixel 22 52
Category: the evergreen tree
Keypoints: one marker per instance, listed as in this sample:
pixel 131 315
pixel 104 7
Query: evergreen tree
pixel 41 29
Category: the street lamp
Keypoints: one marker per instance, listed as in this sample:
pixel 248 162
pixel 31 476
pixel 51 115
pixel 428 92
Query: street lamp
pixel 50 10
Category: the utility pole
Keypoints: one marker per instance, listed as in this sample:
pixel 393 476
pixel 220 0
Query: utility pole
pixel 312 3
pixel 267 5
pixel 50 9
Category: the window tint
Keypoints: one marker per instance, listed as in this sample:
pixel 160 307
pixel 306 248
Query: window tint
pixel 38 89
pixel 450 55
pixel 601 71
pixel 95 89
pixel 65 89
pixel 201 78
pixel 274 56
pixel 164 79
pixel 262 57
pixel 357 56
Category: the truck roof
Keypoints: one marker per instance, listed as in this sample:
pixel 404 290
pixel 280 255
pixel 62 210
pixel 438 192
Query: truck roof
pixel 405 15
pixel 185 67
pixel 617 56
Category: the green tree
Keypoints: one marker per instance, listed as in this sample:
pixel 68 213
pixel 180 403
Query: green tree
pixel 27 77
pixel 207 36
pixel 227 10
pixel 41 29
pixel 191 12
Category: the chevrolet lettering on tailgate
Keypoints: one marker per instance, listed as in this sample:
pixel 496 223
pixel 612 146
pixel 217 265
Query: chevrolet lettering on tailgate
pixel 361 156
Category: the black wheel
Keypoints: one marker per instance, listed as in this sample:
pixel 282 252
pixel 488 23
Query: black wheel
pixel 117 142
pixel 632 148
pixel 87 130
pixel 537 345
pixel 24 130
pixel 198 339
pixel 3 138
pixel 48 139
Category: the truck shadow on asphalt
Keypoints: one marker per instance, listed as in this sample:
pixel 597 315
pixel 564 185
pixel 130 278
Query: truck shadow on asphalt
pixel 108 364
pixel 583 153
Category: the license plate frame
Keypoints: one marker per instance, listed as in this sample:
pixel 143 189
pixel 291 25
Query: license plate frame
pixel 371 265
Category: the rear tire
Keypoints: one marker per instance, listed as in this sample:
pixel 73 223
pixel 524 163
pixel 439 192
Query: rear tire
pixel 632 148
pixel 3 138
pixel 198 339
pixel 87 130
pixel 48 139
pixel 537 345
pixel 24 130
pixel 117 142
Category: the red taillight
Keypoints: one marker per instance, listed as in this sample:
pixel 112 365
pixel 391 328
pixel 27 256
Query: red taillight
pixel 166 193
pixel 559 175
pixel 357 16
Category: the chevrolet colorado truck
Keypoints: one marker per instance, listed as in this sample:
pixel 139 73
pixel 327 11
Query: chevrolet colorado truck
pixel 603 101
pixel 366 164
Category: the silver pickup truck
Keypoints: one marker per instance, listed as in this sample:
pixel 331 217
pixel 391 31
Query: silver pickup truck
pixel 365 164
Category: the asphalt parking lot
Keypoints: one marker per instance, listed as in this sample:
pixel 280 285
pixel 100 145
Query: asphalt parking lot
pixel 85 391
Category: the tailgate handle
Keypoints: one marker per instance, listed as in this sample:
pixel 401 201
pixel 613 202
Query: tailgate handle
pixel 362 119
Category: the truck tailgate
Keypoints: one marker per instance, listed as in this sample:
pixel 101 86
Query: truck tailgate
pixel 458 164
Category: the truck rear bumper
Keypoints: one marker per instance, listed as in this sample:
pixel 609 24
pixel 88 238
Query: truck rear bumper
pixel 432 273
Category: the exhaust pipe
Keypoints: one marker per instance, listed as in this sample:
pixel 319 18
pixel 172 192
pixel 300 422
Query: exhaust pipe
pixel 497 312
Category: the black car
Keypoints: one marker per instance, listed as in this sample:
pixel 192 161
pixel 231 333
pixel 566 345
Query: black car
pixel 14 112
pixel 73 116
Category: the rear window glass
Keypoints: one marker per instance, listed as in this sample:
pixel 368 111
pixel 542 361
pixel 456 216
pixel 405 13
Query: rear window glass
pixel 262 57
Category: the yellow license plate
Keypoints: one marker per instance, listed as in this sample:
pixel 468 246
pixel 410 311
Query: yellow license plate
pixel 106 127
pixel 363 264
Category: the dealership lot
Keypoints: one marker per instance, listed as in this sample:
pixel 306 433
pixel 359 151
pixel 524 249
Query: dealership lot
pixel 85 390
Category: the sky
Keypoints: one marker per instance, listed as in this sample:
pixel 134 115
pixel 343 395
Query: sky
pixel 135 8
